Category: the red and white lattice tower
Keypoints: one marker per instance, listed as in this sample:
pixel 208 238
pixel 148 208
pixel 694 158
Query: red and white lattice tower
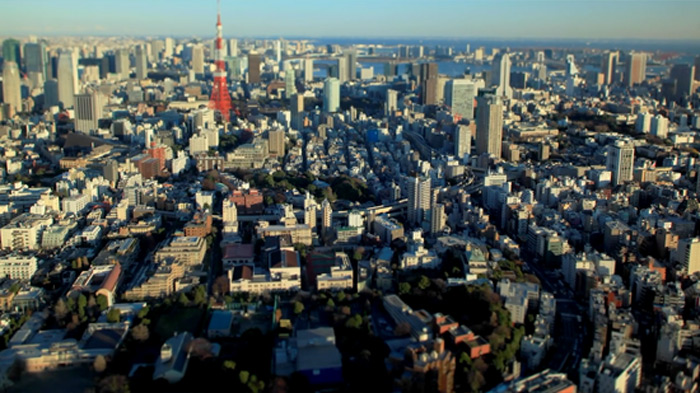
pixel 220 99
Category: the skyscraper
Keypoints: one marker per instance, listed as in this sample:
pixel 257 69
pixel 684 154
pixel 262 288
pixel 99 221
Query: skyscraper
pixel 489 125
pixel 342 69
pixel 276 143
pixel 609 66
pixel 459 96
pixel 326 216
pixel 88 110
pixel 121 63
pixel 500 75
pixel 391 101
pixel 278 51
pixel 437 218
pixel 35 59
pixel 50 93
pixel 418 199
pixel 635 68
pixel 66 82
pixel 198 60
pixel 688 255
pixel 169 45
pixel 141 63
pixel 331 95
pixel 254 60
pixel 233 47
pixel 11 51
pixel 11 88
pixel 621 162
pixel 297 107
pixel 428 81
pixel 289 84
pixel 684 75
pixel 351 62
pixel 463 141
pixel 308 70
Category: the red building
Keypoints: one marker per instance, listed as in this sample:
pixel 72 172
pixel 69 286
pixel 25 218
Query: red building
pixel 159 154
pixel 248 203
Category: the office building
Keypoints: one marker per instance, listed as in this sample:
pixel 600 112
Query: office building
pixel 428 83
pixel 35 59
pixel 635 68
pixel 308 70
pixel 437 218
pixel 688 255
pixel 331 95
pixel 18 267
pixel 684 75
pixel 11 87
pixel 463 141
pixel 621 162
pixel 254 62
pixel 168 49
pixel 50 93
pixel 459 96
pixel 489 126
pixel 121 63
pixel 66 83
pixel 24 231
pixel 11 51
pixel 233 47
pixel 276 143
pixel 658 126
pixel 351 64
pixel 609 66
pixel 141 63
pixel 289 84
pixel 391 102
pixel 198 60
pixel 297 108
pixel 500 75
pixel 418 199
pixel 88 110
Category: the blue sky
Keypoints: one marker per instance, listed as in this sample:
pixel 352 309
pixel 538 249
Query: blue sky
pixel 591 19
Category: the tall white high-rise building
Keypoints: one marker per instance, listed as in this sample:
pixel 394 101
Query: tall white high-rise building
pixel 609 66
pixel 500 75
pixel 621 162
pixel 391 101
pixel 418 199
pixel 88 110
pixel 688 255
pixel 326 216
pixel 278 51
pixel 198 59
pixel 489 126
pixel 229 216
pixel 11 88
pixel 659 126
pixel 308 70
pixel 141 63
pixel 310 216
pixel 459 96
pixel 643 123
pixel 66 83
pixel 342 69
pixel 331 95
pixel 169 47
pixel 463 141
pixel 122 65
pixel 233 47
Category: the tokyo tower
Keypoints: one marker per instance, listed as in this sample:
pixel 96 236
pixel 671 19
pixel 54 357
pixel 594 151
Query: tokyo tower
pixel 220 99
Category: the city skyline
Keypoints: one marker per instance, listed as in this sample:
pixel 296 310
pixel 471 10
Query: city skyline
pixel 574 19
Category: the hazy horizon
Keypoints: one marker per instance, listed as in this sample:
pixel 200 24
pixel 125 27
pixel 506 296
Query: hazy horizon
pixel 673 20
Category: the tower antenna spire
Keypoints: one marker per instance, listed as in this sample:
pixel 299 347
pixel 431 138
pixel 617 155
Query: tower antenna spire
pixel 220 99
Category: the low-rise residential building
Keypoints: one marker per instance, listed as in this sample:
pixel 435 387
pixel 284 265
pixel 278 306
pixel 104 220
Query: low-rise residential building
pixel 24 231
pixel 18 267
